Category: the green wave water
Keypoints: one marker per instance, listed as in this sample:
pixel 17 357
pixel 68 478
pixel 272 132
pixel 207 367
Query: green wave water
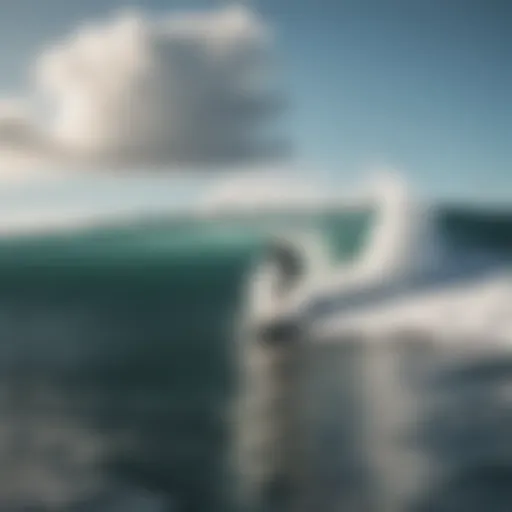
pixel 138 317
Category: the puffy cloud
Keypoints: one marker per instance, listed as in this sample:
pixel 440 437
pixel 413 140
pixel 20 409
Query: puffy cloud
pixel 189 89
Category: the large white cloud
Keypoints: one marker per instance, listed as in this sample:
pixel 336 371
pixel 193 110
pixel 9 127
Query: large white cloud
pixel 188 89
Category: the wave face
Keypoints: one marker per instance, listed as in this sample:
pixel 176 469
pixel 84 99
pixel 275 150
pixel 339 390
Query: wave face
pixel 116 355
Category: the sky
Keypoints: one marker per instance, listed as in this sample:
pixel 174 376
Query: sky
pixel 419 86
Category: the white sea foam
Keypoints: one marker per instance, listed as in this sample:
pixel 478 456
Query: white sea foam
pixel 404 287
pixel 404 277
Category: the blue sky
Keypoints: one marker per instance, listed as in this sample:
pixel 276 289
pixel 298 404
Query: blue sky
pixel 424 86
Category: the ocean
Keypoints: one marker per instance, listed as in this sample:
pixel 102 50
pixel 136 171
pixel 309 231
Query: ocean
pixel 118 372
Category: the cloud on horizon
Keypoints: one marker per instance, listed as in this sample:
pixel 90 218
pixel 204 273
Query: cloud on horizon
pixel 186 90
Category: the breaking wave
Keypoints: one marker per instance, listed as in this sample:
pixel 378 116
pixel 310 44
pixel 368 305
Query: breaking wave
pixel 117 366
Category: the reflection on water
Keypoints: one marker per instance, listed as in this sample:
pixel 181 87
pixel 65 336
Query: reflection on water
pixel 468 432
pixel 416 429
pixel 403 426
